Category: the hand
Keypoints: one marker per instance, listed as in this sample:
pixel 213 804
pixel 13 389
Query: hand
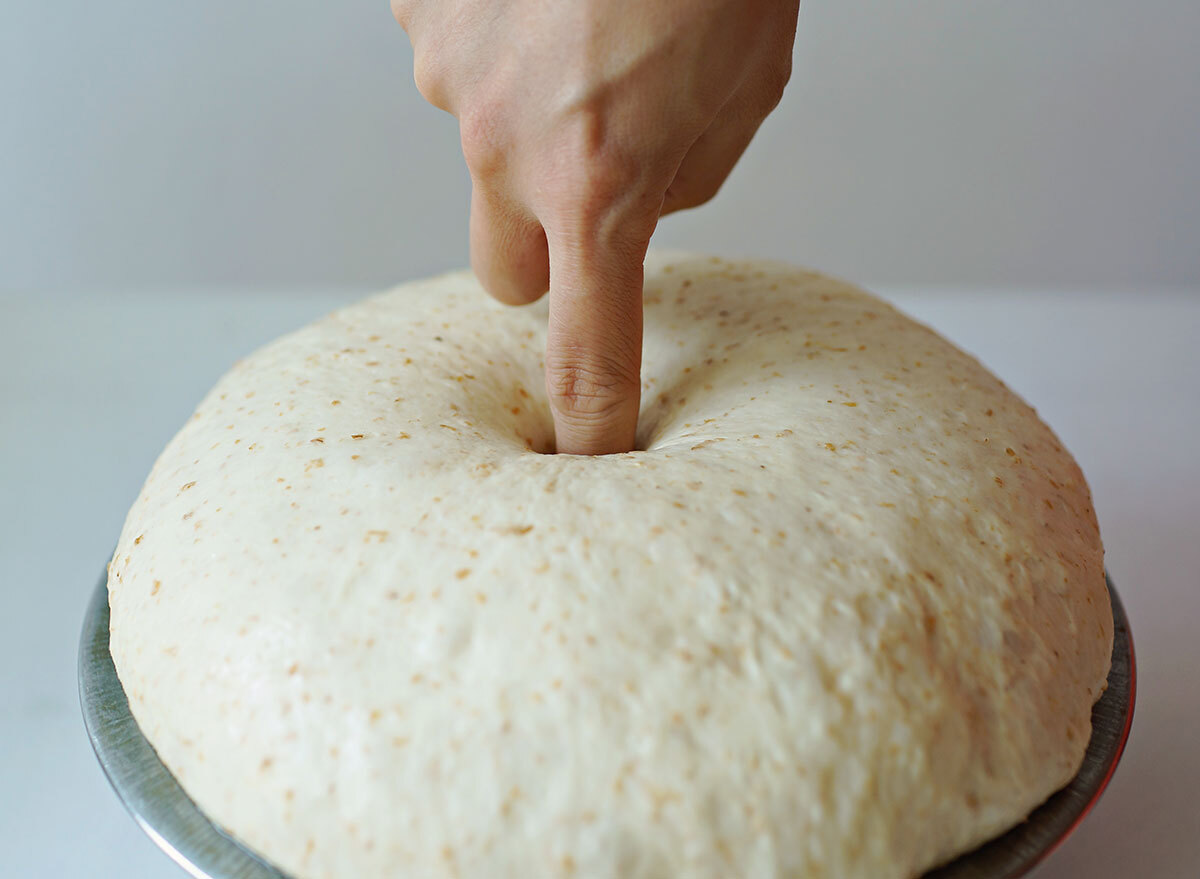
pixel 582 122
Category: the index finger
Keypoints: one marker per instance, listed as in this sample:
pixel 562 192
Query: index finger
pixel 594 340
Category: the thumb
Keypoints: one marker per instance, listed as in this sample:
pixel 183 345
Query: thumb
pixel 594 340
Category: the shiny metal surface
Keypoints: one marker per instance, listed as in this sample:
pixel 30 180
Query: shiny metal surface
pixel 162 809
pixel 150 793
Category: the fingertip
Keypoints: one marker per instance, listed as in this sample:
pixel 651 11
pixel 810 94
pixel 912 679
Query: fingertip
pixel 594 342
pixel 595 407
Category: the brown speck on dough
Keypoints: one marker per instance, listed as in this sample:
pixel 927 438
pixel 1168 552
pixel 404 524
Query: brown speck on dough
pixel 317 439
pixel 378 536
pixel 265 764
pixel 517 530
pixel 186 486
pixel 356 436
pixel 462 573
pixel 293 668
pixel 154 589
pixel 314 464
pixel 138 539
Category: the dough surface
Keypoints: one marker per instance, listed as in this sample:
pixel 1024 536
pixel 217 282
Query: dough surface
pixel 844 617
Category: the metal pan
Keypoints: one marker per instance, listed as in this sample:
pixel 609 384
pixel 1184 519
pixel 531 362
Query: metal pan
pixel 162 809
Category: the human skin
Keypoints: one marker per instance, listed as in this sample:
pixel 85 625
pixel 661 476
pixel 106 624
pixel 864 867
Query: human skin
pixel 582 122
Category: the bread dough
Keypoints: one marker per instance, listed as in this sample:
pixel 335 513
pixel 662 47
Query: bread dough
pixel 844 616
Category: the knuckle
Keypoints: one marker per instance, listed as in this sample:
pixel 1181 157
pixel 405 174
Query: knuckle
pixel 605 174
pixel 694 193
pixel 705 194
pixel 589 390
pixel 774 83
pixel 429 79
pixel 480 128
pixel 593 191
pixel 607 194
pixel 595 175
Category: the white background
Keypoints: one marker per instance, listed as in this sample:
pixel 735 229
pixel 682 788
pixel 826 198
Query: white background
pixel 93 387
pixel 281 141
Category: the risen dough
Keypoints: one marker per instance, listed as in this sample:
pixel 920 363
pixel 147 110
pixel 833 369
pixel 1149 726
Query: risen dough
pixel 845 616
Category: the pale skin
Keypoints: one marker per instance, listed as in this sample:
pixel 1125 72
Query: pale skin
pixel 583 122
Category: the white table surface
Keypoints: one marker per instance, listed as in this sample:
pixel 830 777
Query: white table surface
pixel 92 386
